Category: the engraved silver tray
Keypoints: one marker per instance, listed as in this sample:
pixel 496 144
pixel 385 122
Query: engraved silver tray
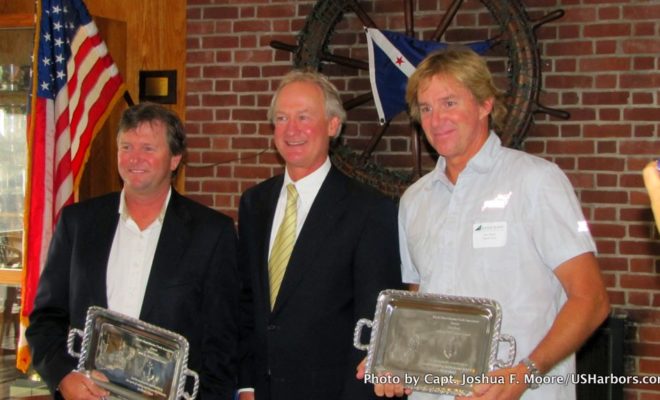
pixel 132 359
pixel 433 343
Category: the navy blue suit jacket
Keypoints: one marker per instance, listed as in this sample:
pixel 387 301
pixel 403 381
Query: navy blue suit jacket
pixel 345 254
pixel 193 287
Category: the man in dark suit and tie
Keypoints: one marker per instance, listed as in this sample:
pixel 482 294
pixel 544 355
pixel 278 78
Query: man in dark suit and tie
pixel 146 252
pixel 315 249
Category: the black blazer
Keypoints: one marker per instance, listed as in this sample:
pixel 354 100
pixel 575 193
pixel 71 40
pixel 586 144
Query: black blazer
pixel 346 253
pixel 193 287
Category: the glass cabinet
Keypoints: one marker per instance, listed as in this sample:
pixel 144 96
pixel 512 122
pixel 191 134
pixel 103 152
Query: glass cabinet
pixel 15 59
pixel 16 43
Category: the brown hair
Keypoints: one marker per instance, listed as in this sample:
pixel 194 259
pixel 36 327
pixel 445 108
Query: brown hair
pixel 137 114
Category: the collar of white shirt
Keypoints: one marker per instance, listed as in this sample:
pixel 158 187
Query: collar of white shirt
pixel 481 163
pixel 309 186
pixel 125 215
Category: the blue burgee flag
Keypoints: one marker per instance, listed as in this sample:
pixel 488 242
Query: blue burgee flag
pixel 393 57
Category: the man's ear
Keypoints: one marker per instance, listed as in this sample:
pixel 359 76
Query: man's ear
pixel 333 127
pixel 174 162
pixel 486 107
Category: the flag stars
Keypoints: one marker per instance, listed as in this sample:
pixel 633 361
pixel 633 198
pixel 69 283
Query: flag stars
pixel 61 75
pixel 45 61
pixel 59 42
pixel 44 86
pixel 57 10
pixel 59 59
pixel 47 37
pixel 399 60
pixel 57 26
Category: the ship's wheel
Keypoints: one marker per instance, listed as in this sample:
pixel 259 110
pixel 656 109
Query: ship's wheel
pixel 391 156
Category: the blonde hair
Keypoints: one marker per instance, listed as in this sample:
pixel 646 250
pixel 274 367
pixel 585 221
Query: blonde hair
pixel 468 68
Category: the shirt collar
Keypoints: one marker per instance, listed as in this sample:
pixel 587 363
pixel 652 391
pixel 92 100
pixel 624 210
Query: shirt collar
pixel 309 186
pixel 312 181
pixel 480 163
pixel 123 211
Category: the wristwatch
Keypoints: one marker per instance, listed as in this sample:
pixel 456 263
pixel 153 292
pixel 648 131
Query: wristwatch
pixel 532 371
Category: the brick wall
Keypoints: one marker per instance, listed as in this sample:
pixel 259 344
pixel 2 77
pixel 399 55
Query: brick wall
pixel 600 62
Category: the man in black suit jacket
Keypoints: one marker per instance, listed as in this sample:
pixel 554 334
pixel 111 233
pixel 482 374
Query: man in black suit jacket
pixel 345 253
pixel 183 279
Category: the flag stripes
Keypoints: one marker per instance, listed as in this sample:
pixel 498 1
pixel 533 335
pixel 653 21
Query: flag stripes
pixel 75 86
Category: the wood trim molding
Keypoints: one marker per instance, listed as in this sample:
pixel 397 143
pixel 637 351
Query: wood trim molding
pixel 17 20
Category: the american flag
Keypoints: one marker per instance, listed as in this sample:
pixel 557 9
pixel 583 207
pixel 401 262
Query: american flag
pixel 75 87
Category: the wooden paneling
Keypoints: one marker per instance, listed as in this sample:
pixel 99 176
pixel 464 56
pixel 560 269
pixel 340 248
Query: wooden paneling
pixel 140 35
pixel 156 39
pixel 8 7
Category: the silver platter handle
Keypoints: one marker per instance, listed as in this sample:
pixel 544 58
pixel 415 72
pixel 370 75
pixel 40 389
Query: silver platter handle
pixel 357 334
pixel 511 341
pixel 195 376
pixel 70 341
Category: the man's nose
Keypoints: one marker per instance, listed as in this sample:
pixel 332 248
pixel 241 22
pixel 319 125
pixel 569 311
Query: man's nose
pixel 135 157
pixel 437 116
pixel 291 127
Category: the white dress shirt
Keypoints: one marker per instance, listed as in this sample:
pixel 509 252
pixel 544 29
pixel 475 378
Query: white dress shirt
pixel 131 256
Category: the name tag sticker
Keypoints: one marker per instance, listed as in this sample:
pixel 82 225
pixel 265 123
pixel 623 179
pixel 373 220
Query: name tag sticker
pixel 488 234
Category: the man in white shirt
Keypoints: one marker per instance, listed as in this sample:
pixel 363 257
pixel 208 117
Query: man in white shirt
pixel 497 223
pixel 146 252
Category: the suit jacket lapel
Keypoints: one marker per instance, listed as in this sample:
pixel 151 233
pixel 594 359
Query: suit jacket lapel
pixel 318 224
pixel 171 244
pixel 102 233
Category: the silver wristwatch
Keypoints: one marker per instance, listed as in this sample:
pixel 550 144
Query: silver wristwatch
pixel 532 371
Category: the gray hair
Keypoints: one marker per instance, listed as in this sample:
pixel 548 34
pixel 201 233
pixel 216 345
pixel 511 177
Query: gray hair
pixel 333 104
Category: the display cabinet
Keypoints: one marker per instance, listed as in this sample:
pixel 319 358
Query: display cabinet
pixel 16 43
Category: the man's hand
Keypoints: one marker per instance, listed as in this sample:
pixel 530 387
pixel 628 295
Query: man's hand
pixel 513 387
pixel 76 386
pixel 387 389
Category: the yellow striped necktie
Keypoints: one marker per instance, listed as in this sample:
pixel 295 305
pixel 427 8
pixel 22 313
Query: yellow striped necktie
pixel 283 244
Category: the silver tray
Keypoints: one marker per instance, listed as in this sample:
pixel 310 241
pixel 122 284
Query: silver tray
pixel 433 343
pixel 132 359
